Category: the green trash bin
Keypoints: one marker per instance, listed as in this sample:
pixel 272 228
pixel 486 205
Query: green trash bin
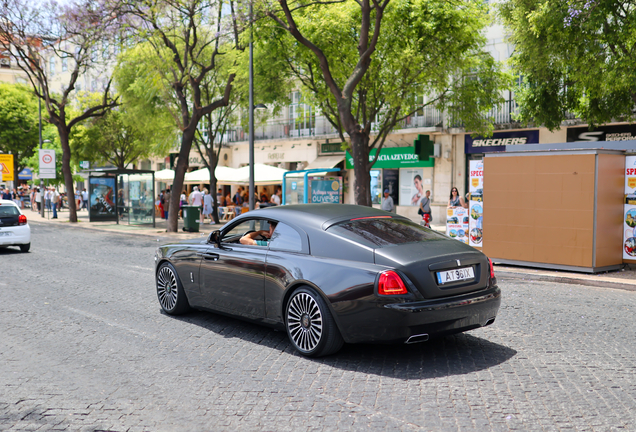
pixel 191 218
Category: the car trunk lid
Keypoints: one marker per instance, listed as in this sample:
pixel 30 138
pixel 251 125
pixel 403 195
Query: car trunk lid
pixel 434 267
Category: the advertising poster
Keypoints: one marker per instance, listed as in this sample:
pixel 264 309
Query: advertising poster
pixel 476 203
pixel 101 196
pixel 457 224
pixel 390 181
pixel 326 190
pixel 411 186
pixel 629 219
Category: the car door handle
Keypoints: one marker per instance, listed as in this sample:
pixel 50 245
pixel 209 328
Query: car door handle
pixel 209 256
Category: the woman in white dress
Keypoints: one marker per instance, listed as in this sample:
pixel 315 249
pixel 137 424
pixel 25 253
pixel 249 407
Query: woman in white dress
pixel 207 205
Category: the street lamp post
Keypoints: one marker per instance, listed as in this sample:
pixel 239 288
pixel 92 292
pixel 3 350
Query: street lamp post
pixel 251 113
pixel 41 179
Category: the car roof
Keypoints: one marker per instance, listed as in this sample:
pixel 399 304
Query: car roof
pixel 317 215
pixel 7 202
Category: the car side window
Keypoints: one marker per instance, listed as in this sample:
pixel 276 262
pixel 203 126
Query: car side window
pixel 237 231
pixel 286 238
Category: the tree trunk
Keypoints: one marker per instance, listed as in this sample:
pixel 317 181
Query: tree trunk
pixel 182 165
pixel 66 171
pixel 360 153
pixel 212 163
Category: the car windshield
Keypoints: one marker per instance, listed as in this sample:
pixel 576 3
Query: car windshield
pixel 379 233
pixel 7 211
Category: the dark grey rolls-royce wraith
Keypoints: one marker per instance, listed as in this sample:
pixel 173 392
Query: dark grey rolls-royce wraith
pixel 330 274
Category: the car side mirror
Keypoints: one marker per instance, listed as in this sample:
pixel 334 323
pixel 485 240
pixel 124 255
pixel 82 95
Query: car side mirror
pixel 215 237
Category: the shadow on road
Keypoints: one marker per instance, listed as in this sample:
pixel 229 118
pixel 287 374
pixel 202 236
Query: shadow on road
pixel 10 250
pixel 447 356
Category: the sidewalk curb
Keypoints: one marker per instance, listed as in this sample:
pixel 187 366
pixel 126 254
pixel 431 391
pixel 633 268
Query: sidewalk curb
pixel 507 275
pixel 149 232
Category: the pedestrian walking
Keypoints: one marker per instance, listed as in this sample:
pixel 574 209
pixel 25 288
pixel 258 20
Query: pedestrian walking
pixel 387 202
pixel 55 199
pixel 84 199
pixel 47 199
pixel 183 200
pixel 38 199
pixel 166 200
pixel 208 204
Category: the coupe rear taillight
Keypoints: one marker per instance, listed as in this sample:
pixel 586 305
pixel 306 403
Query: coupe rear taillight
pixel 391 283
pixel 492 269
pixel 22 220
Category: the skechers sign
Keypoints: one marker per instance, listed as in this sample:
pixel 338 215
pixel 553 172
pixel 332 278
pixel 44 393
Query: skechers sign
pixel 499 141
pixel 602 133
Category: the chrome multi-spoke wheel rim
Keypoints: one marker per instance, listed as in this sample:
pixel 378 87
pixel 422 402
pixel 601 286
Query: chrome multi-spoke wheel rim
pixel 167 288
pixel 304 322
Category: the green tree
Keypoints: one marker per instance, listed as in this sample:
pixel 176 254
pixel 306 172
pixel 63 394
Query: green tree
pixel 271 87
pixel 574 56
pixel 39 36
pixel 364 63
pixel 116 139
pixel 188 40
pixel 18 123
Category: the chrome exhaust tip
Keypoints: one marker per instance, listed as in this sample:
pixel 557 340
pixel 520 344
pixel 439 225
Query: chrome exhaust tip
pixel 417 338
pixel 490 321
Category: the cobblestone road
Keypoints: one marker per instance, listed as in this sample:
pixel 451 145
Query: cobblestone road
pixel 84 346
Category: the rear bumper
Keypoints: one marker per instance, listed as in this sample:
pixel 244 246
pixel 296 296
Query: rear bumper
pixel 18 235
pixel 397 322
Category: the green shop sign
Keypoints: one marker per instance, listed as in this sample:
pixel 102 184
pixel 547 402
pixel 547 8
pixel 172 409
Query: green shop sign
pixel 394 157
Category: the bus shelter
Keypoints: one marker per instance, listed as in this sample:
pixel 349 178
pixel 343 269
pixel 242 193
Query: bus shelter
pixel 312 186
pixel 122 196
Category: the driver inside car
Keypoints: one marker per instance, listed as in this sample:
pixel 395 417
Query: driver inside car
pixel 249 238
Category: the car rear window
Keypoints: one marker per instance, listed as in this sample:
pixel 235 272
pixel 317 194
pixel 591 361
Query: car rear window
pixel 8 210
pixel 378 233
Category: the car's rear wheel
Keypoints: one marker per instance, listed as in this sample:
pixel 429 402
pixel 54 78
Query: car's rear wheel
pixel 310 326
pixel 170 291
pixel 25 247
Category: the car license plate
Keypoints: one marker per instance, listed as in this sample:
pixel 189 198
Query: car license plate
pixel 5 233
pixel 455 275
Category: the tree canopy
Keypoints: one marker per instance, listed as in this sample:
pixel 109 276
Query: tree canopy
pixel 37 37
pixel 18 123
pixel 365 63
pixel 574 56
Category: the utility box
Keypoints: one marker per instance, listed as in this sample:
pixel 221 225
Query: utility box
pixel 558 209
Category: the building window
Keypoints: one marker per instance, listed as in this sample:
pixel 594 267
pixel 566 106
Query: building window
pixel 302 116
pixel 52 66
pixel 64 64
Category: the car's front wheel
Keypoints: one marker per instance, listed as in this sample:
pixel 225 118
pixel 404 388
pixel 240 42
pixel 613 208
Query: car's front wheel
pixel 310 326
pixel 170 291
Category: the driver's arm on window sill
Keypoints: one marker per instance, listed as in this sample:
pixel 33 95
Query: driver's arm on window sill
pixel 248 239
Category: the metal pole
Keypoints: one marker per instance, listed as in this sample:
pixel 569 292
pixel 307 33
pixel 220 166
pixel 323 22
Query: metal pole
pixel 251 114
pixel 40 132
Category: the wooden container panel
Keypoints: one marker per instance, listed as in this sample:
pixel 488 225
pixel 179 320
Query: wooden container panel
pixel 609 216
pixel 540 208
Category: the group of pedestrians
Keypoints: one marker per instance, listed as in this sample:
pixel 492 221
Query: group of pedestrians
pixel 205 201
pixel 51 197
pixel 81 198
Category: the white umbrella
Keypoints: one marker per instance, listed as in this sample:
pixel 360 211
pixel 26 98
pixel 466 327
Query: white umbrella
pixel 224 175
pixel 263 174
pixel 165 174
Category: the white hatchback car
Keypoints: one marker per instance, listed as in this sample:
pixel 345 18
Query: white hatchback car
pixel 14 229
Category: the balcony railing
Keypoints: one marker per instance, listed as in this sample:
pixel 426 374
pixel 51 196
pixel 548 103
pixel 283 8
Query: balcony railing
pixel 429 116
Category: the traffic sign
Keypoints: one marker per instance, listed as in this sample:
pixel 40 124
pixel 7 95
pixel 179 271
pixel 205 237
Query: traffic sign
pixel 6 165
pixel 85 164
pixel 47 164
